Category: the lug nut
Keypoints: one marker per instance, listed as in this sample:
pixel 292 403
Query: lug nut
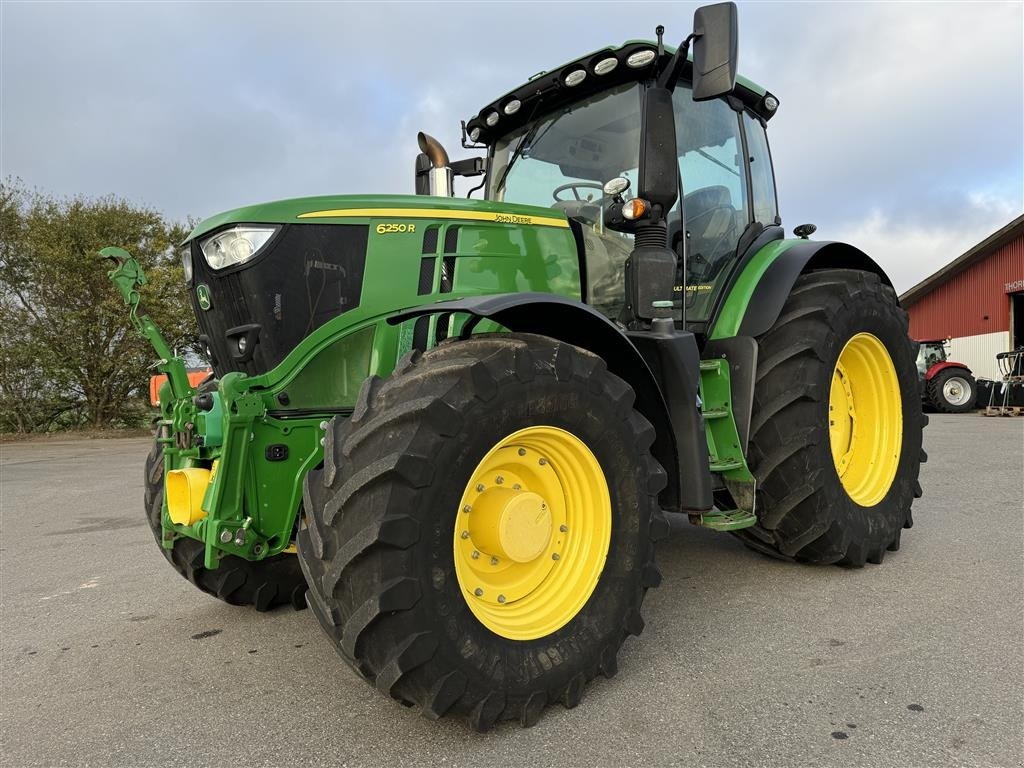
pixel 542 462
pixel 475 554
pixel 467 508
pixel 501 598
pixel 465 534
pixel 555 556
pixel 522 451
pixel 478 592
pixel 499 479
pixel 517 487
pixel 494 560
pixel 563 528
pixel 479 487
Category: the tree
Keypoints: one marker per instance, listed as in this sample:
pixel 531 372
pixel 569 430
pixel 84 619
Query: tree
pixel 69 354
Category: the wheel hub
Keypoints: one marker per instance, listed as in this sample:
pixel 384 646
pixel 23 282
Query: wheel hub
pixel 956 391
pixel 511 523
pixel 842 419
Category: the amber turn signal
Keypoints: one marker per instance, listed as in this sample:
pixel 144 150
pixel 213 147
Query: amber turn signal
pixel 635 208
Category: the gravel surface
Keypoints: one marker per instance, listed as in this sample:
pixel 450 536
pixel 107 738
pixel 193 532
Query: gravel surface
pixel 108 657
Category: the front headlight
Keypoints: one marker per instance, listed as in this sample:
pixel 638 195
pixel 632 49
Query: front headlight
pixel 235 246
pixel 185 253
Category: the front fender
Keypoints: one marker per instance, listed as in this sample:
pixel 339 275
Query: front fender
pixel 578 324
pixel 755 299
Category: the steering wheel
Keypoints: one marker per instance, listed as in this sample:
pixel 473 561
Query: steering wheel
pixel 576 186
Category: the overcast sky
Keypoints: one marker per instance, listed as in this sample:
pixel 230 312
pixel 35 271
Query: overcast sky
pixel 901 128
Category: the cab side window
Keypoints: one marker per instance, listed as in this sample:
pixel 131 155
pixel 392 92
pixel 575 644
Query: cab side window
pixel 762 178
pixel 715 205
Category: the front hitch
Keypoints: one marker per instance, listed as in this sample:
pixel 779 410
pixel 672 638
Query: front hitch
pixel 205 478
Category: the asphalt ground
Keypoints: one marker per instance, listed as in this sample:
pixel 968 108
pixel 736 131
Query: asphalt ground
pixel 108 657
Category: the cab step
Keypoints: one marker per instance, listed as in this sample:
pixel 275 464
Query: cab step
pixel 724 465
pixel 715 413
pixel 728 520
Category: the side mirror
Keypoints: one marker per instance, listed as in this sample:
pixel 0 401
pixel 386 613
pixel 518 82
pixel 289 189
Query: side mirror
pixel 714 50
pixel 658 178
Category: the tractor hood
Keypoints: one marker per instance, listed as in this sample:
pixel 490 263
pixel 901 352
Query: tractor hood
pixel 362 208
pixel 264 277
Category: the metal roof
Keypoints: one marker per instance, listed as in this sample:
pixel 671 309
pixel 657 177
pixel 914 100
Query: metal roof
pixel 964 262
pixel 549 84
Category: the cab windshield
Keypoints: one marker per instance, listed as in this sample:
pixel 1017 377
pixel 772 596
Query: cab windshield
pixel 578 148
pixel 561 160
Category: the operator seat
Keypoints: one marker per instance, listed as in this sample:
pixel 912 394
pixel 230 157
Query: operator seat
pixel 713 226
pixel 710 213
pixel 708 216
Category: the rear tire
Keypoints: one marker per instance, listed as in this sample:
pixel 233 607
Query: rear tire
pixel 263 584
pixel 804 510
pixel 952 390
pixel 382 516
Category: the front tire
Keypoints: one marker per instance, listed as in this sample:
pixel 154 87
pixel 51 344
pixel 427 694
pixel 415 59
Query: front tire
pixel 399 536
pixel 835 438
pixel 952 390
pixel 263 584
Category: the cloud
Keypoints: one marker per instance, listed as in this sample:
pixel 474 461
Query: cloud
pixel 893 115
pixel 911 250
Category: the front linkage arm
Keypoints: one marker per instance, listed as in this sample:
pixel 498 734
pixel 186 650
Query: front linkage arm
pixel 128 276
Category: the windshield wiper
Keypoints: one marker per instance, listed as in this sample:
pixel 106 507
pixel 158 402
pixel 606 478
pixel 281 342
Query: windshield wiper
pixel 521 146
pixel 516 154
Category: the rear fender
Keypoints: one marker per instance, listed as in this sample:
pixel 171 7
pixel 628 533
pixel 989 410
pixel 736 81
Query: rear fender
pixel 755 301
pixel 756 298
pixel 575 323
pixel 937 367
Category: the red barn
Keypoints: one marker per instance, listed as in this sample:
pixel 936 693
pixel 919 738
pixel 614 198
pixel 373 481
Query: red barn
pixel 976 301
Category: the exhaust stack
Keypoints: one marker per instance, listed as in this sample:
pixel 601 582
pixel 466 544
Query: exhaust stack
pixel 433 167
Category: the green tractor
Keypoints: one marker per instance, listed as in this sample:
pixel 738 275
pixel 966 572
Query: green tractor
pixel 455 428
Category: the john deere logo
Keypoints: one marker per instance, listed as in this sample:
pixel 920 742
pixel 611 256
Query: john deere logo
pixel 203 295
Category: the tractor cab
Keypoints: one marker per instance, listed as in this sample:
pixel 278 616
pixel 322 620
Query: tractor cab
pixel 930 353
pixel 559 138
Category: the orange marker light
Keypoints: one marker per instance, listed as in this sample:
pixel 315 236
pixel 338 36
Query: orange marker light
pixel 635 208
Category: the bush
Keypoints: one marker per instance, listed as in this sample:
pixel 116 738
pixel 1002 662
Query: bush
pixel 68 355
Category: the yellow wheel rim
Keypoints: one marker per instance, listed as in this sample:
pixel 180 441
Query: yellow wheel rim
pixel 865 418
pixel 532 533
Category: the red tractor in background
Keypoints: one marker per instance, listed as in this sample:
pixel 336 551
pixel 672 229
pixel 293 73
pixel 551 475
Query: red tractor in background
pixel 196 376
pixel 947 386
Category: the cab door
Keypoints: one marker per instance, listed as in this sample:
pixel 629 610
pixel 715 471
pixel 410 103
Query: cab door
pixel 728 184
pixel 714 204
